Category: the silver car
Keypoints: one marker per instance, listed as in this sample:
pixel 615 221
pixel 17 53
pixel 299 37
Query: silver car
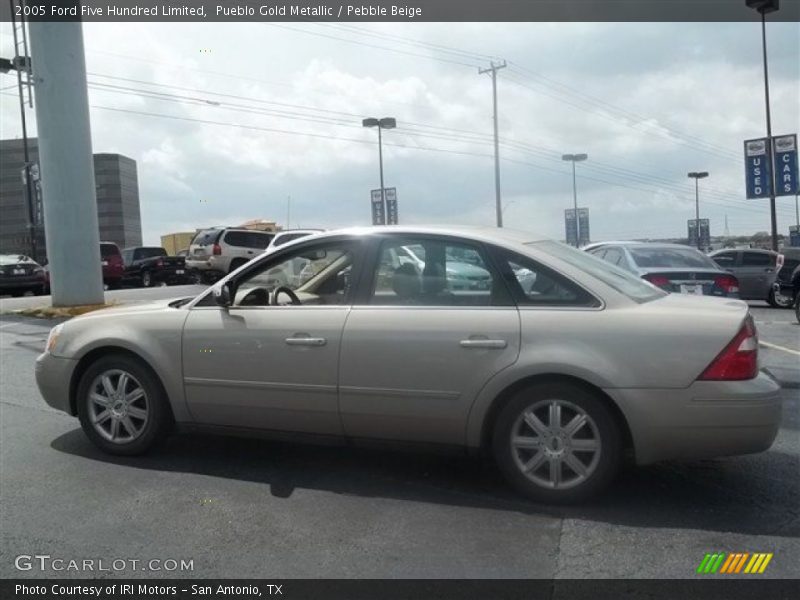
pixel 557 381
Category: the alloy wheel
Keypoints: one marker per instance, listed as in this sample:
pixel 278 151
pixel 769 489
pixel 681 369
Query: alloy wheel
pixel 118 406
pixel 555 444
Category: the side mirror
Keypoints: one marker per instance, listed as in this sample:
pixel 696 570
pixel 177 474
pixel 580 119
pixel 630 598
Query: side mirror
pixel 222 295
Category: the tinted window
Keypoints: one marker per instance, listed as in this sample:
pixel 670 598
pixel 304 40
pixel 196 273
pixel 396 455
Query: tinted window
pixel 614 256
pixel 431 272
pixel 725 260
pixel 758 259
pixel 664 257
pixel 207 237
pixel 248 239
pixel 285 239
pixel 107 250
pixel 537 285
pixel 141 253
pixel 619 279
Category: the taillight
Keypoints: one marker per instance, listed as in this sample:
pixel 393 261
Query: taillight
pixel 739 359
pixel 159 263
pixel 217 250
pixel 727 283
pixel 657 280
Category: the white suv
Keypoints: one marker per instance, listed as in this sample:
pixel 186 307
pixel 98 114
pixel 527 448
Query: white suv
pixel 220 250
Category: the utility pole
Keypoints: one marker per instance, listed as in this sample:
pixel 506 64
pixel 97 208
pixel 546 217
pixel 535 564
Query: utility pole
pixel 288 210
pixel 493 69
pixel 697 176
pixel 65 156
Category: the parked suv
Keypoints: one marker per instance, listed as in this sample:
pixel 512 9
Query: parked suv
pixel 756 270
pixel 220 250
pixel 113 265
pixel 148 266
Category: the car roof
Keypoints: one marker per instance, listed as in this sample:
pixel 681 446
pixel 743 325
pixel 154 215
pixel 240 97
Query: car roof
pixel 475 233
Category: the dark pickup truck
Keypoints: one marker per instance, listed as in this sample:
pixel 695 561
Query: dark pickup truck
pixel 150 265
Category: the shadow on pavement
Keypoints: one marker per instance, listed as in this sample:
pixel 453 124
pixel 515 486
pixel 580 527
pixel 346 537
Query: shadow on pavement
pixel 754 495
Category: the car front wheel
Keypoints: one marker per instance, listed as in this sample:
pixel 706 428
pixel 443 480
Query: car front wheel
pixel 121 406
pixel 557 443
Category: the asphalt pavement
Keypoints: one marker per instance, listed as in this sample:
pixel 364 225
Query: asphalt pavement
pixel 249 508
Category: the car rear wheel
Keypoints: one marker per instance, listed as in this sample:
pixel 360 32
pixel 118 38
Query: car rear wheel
pixel 778 300
pixel 557 443
pixel 147 279
pixel 121 406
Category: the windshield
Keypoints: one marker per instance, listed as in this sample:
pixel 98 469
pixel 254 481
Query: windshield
pixel 625 283
pixel 666 257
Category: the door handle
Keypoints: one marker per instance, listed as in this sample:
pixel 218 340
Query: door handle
pixel 483 343
pixel 306 341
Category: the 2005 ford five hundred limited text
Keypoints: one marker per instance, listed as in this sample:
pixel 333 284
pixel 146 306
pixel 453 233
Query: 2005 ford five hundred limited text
pixel 552 360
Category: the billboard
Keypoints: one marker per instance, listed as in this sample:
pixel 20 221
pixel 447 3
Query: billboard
pixel 577 230
pixel 391 206
pixel 758 173
pixel 786 175
pixel 378 215
pixel 705 233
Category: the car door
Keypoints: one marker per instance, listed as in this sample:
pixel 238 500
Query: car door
pixel 756 273
pixel 421 341
pixel 260 365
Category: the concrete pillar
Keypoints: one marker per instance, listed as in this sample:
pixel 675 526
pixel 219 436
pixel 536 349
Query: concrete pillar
pixel 65 156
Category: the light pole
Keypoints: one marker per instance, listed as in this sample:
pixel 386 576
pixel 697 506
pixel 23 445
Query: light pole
pixel 764 7
pixel 697 176
pixel 574 158
pixel 381 124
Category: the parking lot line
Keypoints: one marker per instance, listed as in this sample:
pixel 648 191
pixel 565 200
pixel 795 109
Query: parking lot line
pixel 776 347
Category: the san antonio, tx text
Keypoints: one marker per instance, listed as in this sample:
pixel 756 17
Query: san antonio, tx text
pixel 129 589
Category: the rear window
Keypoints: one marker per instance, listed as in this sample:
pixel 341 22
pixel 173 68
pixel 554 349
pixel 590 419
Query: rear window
pixel 624 282
pixel 681 258
pixel 13 259
pixel 285 239
pixel 207 237
pixel 249 239
pixel 141 253
pixel 107 250
pixel 758 259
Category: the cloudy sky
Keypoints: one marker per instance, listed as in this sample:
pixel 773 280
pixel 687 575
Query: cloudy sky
pixel 226 121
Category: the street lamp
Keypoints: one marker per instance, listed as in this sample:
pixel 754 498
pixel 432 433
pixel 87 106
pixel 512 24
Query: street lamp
pixel 764 7
pixel 573 158
pixel 697 175
pixel 385 123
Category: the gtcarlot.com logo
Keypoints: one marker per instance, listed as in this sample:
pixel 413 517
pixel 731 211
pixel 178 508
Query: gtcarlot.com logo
pixel 732 563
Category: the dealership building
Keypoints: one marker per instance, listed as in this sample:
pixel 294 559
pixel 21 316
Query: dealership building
pixel 117 188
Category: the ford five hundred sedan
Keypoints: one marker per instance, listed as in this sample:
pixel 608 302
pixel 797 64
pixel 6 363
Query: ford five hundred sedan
pixel 343 336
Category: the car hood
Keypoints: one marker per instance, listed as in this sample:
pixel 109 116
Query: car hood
pixel 140 307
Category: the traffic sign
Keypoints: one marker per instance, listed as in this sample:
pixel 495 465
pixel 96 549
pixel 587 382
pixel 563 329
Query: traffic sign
pixel 758 174
pixel 391 206
pixel 378 213
pixel 583 226
pixel 786 175
pixel 705 233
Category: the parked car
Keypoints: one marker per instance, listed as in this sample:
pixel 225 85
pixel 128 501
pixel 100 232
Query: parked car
pixel 671 267
pixel 757 271
pixel 289 235
pixel 786 288
pixel 557 384
pixel 217 251
pixel 20 274
pixel 112 263
pixel 150 265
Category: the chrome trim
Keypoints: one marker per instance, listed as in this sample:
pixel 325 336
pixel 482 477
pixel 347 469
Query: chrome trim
pixel 263 385
pixel 372 391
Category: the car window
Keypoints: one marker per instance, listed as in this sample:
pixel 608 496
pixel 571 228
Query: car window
pixel 258 239
pixel 236 238
pixel 434 272
pixel 285 239
pixel 536 285
pixel 141 253
pixel 318 275
pixel 107 250
pixel 665 257
pixel 726 260
pixel 758 259
pixel 206 237
pixel 598 252
pixel 614 256
pixel 619 279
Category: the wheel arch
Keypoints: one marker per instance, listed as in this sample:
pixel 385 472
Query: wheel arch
pixel 508 392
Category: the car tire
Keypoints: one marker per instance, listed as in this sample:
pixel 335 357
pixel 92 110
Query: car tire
pixel 779 300
pixel 557 465
pixel 147 279
pixel 123 431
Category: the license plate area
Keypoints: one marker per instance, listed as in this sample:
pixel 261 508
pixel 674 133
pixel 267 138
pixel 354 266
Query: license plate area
pixel 692 289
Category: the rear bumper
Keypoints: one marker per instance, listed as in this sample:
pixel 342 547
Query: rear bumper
pixel 53 376
pixel 209 263
pixel 707 419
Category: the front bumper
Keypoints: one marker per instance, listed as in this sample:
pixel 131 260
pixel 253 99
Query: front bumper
pixel 53 377
pixel 705 420
pixel 31 282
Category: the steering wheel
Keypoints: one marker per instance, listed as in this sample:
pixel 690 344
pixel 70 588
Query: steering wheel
pixel 286 290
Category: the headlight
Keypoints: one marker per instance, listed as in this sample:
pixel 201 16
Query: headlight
pixel 53 337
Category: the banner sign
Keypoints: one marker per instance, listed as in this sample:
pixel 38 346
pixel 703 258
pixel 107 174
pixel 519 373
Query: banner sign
pixel 391 206
pixel 705 233
pixel 583 226
pixel 758 175
pixel 378 215
pixel 786 175
pixel 577 230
